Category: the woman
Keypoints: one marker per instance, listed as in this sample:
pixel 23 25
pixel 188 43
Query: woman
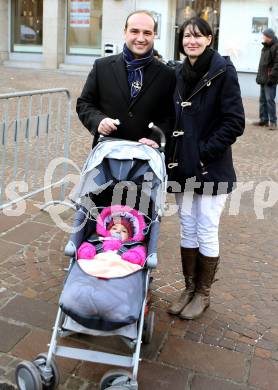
pixel 210 117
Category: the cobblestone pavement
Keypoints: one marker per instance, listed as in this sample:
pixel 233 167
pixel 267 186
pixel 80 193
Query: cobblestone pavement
pixel 233 346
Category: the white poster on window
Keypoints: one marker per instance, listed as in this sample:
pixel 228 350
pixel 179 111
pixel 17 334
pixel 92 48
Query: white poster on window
pixel 80 11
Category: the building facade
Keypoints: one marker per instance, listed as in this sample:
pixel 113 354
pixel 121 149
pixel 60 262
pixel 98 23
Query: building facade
pixel 240 36
pixel 71 34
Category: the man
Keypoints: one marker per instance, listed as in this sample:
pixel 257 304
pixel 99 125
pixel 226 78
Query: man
pixel 267 77
pixel 132 87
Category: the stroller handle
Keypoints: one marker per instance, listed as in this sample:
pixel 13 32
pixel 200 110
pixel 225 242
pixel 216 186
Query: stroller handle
pixel 159 132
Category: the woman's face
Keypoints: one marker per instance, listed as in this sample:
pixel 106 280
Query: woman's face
pixel 194 43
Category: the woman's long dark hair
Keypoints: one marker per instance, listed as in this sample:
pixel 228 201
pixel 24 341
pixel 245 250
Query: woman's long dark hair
pixel 201 24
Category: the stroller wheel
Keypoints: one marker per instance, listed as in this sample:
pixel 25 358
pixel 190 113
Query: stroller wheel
pixel 27 376
pixel 40 363
pixel 148 327
pixel 115 379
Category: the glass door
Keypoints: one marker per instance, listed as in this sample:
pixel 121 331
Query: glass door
pixel 84 25
pixel 27 16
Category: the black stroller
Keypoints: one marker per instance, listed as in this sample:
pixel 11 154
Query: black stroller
pixel 116 172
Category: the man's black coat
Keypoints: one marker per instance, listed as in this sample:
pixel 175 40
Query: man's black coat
pixel 106 93
pixel 268 66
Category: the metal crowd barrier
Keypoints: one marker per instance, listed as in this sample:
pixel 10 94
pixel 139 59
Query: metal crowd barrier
pixel 34 129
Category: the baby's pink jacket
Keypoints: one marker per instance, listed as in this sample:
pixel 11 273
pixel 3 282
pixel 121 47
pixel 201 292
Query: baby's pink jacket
pixel 136 255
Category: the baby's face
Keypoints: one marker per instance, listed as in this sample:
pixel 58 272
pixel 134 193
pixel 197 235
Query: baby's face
pixel 119 229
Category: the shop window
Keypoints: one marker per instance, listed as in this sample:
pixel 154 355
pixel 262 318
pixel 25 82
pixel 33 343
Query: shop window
pixel 27 25
pixel 84 25
pixel 209 10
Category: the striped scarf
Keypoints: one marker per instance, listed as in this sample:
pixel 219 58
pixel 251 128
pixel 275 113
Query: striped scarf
pixel 135 69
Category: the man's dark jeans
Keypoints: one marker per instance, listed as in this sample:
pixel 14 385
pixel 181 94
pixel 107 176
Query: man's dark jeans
pixel 267 104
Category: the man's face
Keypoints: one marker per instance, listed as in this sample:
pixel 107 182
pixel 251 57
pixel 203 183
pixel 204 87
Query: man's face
pixel 267 40
pixel 139 34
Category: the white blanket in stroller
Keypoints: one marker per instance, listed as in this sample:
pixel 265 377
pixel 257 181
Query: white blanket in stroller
pixel 107 265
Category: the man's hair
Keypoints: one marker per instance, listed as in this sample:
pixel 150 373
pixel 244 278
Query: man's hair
pixel 141 12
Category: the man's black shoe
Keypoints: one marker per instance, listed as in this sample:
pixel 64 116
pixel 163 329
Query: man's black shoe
pixel 261 123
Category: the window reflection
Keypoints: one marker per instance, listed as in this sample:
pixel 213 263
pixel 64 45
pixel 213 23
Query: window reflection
pixel 27 24
pixel 84 27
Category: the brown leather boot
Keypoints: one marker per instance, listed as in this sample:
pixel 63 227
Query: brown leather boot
pixel 206 270
pixel 188 261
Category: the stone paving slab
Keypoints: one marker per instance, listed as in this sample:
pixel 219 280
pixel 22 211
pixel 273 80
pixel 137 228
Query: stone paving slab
pixel 207 383
pixel 31 312
pixel 93 372
pixel 7 222
pixel 8 248
pixel 204 358
pixel 74 383
pixel 153 376
pixel 26 233
pixel 11 334
pixel 264 373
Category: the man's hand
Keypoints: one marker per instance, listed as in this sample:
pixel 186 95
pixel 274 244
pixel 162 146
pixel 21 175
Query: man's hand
pixel 107 126
pixel 149 142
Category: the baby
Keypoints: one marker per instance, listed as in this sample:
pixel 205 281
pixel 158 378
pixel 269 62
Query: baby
pixel 120 229
pixel 118 225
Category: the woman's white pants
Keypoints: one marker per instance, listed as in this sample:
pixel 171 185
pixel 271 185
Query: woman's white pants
pixel 199 218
